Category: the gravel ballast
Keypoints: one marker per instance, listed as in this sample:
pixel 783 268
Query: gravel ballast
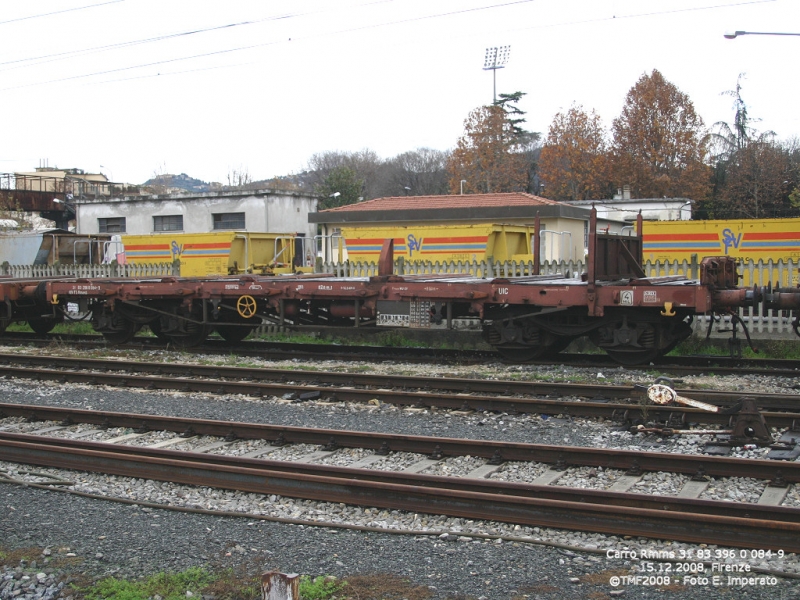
pixel 127 540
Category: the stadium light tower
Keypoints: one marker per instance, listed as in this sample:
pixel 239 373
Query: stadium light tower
pixel 496 58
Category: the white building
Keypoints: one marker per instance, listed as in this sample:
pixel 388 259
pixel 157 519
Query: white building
pixel 624 208
pixel 262 211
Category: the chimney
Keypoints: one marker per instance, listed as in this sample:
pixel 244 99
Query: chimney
pixel 626 192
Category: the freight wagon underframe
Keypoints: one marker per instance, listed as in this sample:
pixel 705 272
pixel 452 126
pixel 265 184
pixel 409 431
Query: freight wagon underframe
pixel 632 317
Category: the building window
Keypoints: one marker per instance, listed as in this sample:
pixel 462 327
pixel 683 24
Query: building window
pixel 228 220
pixel 111 225
pixel 168 223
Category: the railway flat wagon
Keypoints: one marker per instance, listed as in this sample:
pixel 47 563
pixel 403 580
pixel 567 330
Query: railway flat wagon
pixel 442 243
pixel 219 253
pixel 756 239
pixel 632 317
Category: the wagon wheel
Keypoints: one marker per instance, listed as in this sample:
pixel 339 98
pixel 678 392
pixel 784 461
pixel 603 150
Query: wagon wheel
pixel 233 333
pixel 42 325
pixel 155 327
pixel 246 307
pixel 233 327
pixel 520 353
pixel 638 356
pixel 123 334
pixel 195 334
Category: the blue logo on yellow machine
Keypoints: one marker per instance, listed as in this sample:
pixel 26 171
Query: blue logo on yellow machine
pixel 730 240
pixel 177 249
pixel 413 244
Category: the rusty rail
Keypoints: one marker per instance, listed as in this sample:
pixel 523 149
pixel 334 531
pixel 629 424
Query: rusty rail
pixel 461 398
pixel 404 382
pixel 560 456
pixel 689 520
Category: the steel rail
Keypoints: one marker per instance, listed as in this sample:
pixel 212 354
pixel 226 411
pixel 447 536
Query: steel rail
pixel 676 365
pixel 676 416
pixel 748 526
pixel 559 456
pixel 384 382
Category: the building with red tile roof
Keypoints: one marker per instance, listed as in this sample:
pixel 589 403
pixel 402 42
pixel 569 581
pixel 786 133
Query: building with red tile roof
pixel 399 217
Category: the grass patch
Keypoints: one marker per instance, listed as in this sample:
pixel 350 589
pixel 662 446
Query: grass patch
pixel 319 588
pixel 777 349
pixel 242 582
pixel 12 558
pixel 383 587
pixel 169 586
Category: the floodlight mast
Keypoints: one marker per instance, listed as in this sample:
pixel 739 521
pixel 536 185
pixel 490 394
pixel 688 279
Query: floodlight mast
pixel 496 58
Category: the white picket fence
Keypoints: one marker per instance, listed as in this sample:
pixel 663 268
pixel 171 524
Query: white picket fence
pixel 89 271
pixel 485 269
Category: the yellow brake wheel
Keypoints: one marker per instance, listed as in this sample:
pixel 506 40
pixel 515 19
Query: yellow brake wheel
pixel 246 307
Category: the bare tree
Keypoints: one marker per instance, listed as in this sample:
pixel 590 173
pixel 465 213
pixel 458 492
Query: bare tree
pixel 420 172
pixel 158 183
pixel 365 164
pixel 239 177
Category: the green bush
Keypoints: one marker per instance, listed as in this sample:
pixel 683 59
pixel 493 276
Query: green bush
pixel 319 588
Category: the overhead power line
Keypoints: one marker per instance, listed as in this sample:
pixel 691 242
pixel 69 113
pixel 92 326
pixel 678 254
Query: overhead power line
pixel 58 12
pixel 264 44
pixel 36 60
pixel 345 31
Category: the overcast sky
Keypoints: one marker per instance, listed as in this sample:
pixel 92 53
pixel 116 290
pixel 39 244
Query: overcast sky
pixel 124 87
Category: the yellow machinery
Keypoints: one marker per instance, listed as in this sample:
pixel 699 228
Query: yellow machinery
pixel 744 239
pixel 443 243
pixel 221 252
pixel 756 239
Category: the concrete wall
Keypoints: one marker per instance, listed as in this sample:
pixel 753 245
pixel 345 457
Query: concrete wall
pixel 265 211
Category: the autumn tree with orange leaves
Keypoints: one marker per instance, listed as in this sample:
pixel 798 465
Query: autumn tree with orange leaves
pixel 574 162
pixel 488 158
pixel 659 146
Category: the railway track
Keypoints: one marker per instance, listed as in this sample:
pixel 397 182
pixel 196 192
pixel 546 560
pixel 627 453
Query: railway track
pixel 674 365
pixel 624 404
pixel 765 525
